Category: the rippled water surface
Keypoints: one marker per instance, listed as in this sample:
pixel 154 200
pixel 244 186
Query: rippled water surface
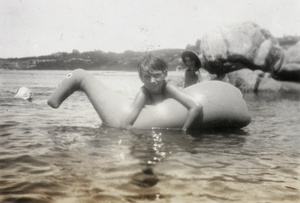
pixel 64 155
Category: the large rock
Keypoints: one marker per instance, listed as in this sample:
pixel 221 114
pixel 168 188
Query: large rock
pixel 288 67
pixel 247 80
pixel 234 47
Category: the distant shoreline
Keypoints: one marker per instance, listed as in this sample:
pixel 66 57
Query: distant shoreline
pixel 96 60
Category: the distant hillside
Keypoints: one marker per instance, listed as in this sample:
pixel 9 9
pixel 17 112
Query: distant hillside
pixel 93 60
pixel 99 60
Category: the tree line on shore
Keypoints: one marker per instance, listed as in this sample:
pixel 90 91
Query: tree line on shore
pixel 99 60
pixel 92 60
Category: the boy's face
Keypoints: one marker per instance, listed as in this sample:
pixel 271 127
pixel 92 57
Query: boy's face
pixel 153 81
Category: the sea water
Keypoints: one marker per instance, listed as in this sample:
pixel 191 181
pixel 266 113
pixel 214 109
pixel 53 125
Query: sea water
pixel 65 155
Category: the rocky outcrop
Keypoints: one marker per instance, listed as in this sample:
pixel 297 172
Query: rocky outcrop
pixel 288 67
pixel 234 47
pixel 258 81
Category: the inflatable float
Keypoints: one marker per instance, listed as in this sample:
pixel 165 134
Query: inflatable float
pixel 223 104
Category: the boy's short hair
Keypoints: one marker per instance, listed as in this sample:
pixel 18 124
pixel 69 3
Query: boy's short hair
pixel 152 63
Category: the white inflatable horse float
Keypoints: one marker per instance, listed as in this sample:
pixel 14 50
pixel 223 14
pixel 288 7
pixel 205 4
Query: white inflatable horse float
pixel 223 104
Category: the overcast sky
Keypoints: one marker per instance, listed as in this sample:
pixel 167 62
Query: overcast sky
pixel 42 27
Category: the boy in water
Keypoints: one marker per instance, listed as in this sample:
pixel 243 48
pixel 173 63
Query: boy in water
pixel 192 74
pixel 153 72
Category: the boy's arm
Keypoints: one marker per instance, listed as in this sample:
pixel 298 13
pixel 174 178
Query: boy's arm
pixel 195 108
pixel 134 110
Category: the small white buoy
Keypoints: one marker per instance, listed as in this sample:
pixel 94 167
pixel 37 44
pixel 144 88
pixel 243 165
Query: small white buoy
pixel 24 93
